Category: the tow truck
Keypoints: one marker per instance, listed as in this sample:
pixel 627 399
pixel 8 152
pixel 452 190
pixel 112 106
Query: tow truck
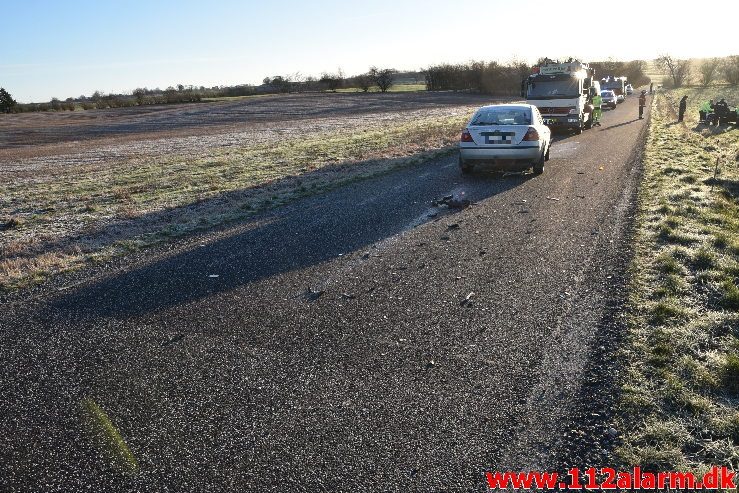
pixel 562 92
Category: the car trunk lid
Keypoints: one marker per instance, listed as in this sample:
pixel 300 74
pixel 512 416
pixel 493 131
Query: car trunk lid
pixel 498 135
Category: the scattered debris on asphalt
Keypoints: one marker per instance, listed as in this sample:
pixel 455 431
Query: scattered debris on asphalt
pixel 213 276
pixel 458 203
pixel 452 202
pixel 453 226
pixel 467 301
pixel 172 340
pixel 348 296
pixel 441 201
pixel 553 198
pixel 311 295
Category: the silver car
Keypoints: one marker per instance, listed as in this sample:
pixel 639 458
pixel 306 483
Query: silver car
pixel 506 137
pixel 609 99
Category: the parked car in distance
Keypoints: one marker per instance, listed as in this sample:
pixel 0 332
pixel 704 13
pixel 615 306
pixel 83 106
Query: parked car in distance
pixel 505 137
pixel 609 99
pixel 629 89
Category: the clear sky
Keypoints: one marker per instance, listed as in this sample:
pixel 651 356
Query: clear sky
pixel 73 47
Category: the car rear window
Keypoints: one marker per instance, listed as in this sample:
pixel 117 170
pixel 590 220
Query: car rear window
pixel 502 116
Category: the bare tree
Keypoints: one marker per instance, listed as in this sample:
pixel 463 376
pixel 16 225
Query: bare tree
pixel 730 69
pixel 140 95
pixel 709 70
pixel 519 68
pixel 679 70
pixel 280 83
pixel 333 81
pixel 364 82
pixel 383 78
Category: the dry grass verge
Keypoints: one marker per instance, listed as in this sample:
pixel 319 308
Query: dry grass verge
pixel 680 397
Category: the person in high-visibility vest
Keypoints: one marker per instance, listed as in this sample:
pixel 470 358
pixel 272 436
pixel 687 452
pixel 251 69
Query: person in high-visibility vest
pixel 597 111
pixel 705 109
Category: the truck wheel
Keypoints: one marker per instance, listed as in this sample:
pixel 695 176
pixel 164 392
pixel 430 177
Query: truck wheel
pixel 539 165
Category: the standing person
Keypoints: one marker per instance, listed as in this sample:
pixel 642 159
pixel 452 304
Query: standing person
pixel 651 86
pixel 597 111
pixel 681 110
pixel 705 110
pixel 642 103
pixel 722 111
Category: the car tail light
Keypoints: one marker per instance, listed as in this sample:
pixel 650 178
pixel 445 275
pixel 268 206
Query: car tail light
pixel 466 136
pixel 532 134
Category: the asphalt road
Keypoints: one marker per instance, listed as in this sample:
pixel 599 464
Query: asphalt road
pixel 328 346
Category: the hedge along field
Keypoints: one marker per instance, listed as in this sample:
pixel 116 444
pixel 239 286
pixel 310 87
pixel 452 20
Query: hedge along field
pixel 60 212
pixel 679 405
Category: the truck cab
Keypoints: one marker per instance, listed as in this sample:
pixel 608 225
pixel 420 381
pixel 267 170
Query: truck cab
pixel 562 93
pixel 617 85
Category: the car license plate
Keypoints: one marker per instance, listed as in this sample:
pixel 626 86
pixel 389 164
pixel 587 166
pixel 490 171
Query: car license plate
pixel 548 121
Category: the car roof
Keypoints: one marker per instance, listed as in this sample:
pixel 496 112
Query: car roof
pixel 507 105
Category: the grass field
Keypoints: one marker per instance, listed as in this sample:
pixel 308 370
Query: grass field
pixel 680 395
pixel 393 88
pixel 60 212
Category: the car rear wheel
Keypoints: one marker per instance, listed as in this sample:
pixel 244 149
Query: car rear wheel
pixel 465 167
pixel 539 165
pixel 546 155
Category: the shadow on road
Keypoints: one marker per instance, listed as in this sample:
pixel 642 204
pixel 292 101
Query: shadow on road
pixel 611 127
pixel 296 236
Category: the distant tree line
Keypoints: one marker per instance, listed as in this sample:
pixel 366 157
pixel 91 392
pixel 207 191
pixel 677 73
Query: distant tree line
pixel 382 78
pixel 475 76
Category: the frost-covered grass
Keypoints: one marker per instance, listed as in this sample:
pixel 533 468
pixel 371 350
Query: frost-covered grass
pixel 63 211
pixel 680 397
